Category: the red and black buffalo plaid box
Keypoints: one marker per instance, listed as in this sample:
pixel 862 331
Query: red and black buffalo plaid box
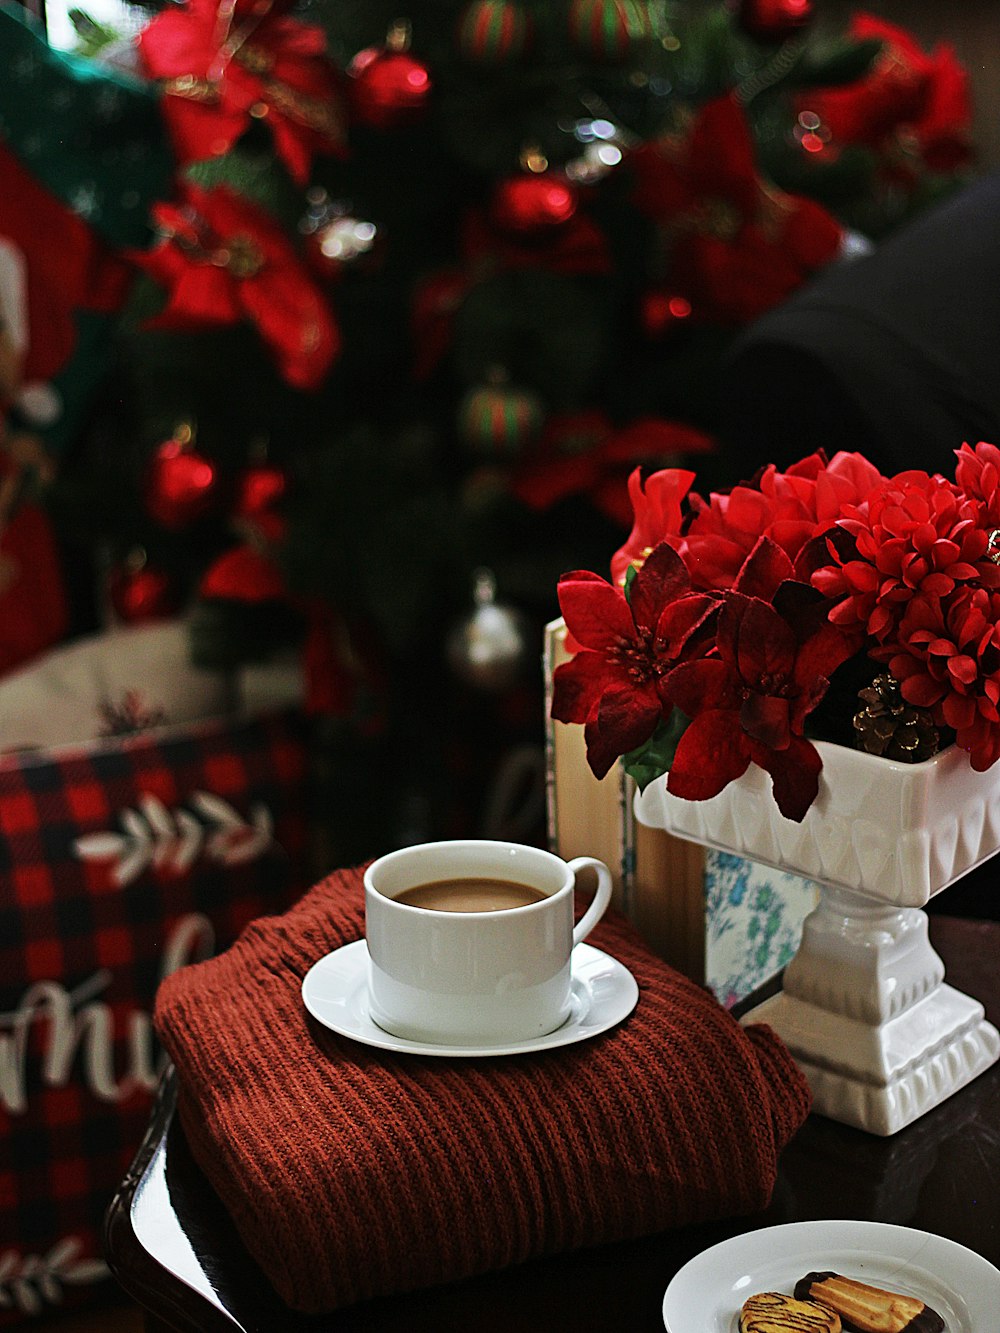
pixel 120 862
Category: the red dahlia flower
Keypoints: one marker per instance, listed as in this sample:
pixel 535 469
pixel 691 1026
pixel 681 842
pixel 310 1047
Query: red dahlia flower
pixel 745 604
pixel 917 534
pixel 977 472
pixel 627 645
pixel 949 661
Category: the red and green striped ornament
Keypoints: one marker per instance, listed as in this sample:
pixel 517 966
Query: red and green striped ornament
pixel 498 420
pixel 491 32
pixel 606 29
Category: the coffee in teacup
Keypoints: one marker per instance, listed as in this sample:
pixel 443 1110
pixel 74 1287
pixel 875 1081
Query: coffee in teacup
pixel 471 895
pixel 470 941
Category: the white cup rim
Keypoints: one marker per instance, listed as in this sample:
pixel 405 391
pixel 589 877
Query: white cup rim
pixel 472 844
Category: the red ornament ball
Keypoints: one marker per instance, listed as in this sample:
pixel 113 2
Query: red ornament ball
pixel 181 484
pixel 139 592
pixel 773 20
pixel 259 489
pixel 243 575
pixel 605 29
pixel 664 311
pixel 533 203
pixel 388 88
pixel 491 32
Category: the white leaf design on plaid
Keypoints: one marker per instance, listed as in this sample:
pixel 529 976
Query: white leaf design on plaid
pixel 27 1281
pixel 157 814
pixel 97 846
pixel 134 825
pixel 215 808
pixel 134 862
pixel 174 839
pixel 189 834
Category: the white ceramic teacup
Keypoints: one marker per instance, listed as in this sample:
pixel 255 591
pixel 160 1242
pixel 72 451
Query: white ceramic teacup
pixel 474 977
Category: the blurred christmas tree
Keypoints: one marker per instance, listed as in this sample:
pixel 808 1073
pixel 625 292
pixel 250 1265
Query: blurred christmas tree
pixel 421 291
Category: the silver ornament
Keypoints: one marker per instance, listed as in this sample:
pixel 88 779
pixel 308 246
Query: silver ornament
pixel 491 647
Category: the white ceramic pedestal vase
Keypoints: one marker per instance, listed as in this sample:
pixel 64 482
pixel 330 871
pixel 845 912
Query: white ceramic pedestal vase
pixel 864 1008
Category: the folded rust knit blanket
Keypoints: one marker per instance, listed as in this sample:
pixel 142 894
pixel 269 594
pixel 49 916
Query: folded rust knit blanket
pixel 352 1172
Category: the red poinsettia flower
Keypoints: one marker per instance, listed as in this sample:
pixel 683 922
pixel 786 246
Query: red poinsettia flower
pixel 948 660
pixel 219 75
pixel 943 131
pixel 626 647
pixel 586 454
pixel 916 534
pixel 749 703
pixel 739 245
pixel 910 107
pixel 222 259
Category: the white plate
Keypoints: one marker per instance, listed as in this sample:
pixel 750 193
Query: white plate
pixel 335 991
pixel 706 1295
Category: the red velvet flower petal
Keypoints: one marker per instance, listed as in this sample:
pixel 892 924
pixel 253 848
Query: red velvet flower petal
pixel 700 686
pixel 794 775
pixel 662 579
pixel 765 718
pixel 754 639
pixel 764 570
pixel 710 754
pixel 626 717
pixel 596 614
pixel 578 684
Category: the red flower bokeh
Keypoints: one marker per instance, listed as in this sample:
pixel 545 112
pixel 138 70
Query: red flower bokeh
pixel 587 454
pixel 912 109
pixel 264 68
pixel 738 245
pixel 221 259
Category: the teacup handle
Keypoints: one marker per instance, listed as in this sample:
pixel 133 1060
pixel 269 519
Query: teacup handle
pixel 602 896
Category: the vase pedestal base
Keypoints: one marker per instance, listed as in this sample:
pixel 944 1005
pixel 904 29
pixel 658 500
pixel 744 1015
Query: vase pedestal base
pixel 881 1077
pixel 864 1008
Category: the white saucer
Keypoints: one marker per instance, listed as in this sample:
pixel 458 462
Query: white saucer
pixel 706 1295
pixel 335 991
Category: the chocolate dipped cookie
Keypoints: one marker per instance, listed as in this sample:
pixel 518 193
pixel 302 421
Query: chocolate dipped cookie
pixel 865 1309
pixel 774 1312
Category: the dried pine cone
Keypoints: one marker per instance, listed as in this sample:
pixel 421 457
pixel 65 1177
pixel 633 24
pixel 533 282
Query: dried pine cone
pixel 889 726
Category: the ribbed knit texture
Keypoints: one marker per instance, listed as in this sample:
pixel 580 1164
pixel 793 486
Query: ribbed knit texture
pixel 352 1172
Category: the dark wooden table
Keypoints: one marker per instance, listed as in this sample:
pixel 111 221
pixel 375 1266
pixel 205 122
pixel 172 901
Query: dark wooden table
pixel 173 1248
